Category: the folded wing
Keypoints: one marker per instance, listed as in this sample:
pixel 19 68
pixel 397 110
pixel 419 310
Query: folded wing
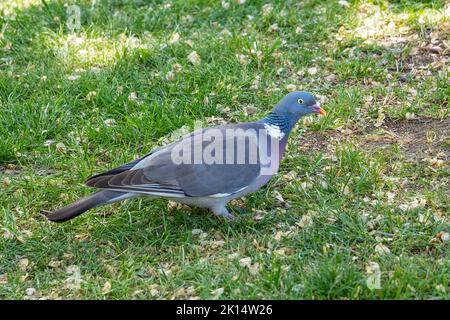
pixel 158 174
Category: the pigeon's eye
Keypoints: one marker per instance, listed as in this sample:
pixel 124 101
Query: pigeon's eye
pixel 300 101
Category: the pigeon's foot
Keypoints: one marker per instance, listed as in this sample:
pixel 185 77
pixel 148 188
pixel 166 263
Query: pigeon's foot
pixel 223 212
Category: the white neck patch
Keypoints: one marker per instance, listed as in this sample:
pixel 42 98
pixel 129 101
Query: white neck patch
pixel 274 131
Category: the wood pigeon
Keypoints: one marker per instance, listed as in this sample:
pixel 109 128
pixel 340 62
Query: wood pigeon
pixel 206 168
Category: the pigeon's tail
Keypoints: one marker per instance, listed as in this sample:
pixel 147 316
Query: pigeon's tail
pixel 75 209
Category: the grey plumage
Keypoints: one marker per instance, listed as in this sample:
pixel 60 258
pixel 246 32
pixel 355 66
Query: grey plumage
pixel 202 184
pixel 84 204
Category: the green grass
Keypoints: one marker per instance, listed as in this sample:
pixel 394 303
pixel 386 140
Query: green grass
pixel 347 186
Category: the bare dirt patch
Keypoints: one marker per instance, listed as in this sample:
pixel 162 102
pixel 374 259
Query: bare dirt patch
pixel 10 169
pixel 420 137
pixel 416 138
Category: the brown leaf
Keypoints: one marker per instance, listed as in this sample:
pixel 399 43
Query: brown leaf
pixel 3 278
pixel 106 287
pixel 23 264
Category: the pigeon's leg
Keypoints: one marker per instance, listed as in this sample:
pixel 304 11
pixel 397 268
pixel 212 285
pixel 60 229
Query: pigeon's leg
pixel 223 212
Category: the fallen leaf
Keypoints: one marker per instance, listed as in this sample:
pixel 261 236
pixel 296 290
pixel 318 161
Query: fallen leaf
pixel 217 293
pixel 177 68
pixel 55 264
pixel 194 58
pixel 154 290
pixel 242 58
pixel 373 280
pixel 3 278
pixel 174 38
pixel 106 288
pixel 23 264
pixel 254 268
pixel 245 262
pixel 312 71
pixel 73 282
pixel 410 115
pixel 266 9
pixel 344 3
pixel 170 76
pixel 91 95
pixel 291 87
pixel 444 236
pixel 30 291
pixel 225 32
pixel 132 96
pixel 234 255
pixel 249 110
pixel 381 249
pixel 273 28
pixel 73 77
pixel 109 122
pixel 6 182
pixel 278 196
pixel 60 147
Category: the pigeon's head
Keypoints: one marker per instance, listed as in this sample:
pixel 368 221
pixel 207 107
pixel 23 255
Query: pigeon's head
pixel 298 104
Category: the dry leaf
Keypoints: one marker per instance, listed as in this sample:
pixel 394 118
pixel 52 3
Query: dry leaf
pixel 312 71
pixel 381 249
pixel 249 110
pixel 243 59
pixel 225 32
pixel 305 221
pixel 278 196
pixel 274 28
pixel 217 293
pixel 373 280
pixel 132 96
pixel 194 58
pixel 91 95
pixel 3 278
pixel 344 3
pixel 73 77
pixel 109 122
pixel 23 264
pixel 170 76
pixel 174 38
pixel 444 236
pixel 245 262
pixel 291 87
pixel 106 287
pixel 73 282
pixel 55 264
pixel 30 291
pixel 61 147
pixel 154 290
pixel 266 9
pixel 233 255
pixel 254 268
pixel 177 68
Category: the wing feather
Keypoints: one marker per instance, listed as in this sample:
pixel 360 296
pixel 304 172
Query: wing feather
pixel 157 174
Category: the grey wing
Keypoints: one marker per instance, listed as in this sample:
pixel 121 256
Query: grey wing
pixel 158 173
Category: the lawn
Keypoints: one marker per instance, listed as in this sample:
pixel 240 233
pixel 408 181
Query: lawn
pixel 359 209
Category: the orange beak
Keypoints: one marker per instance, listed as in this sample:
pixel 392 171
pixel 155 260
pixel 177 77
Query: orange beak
pixel 318 109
